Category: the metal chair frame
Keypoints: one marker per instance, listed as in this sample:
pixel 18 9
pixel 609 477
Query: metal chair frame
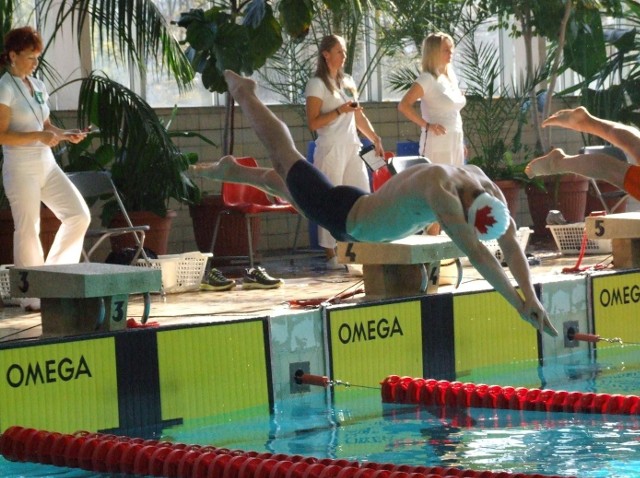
pixel 230 209
pixel 98 184
pixel 616 153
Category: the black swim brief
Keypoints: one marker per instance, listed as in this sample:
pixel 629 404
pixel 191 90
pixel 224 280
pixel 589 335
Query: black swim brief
pixel 320 201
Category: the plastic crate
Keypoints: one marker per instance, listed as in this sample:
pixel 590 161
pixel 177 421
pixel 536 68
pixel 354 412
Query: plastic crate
pixel 5 286
pixel 180 272
pixel 568 238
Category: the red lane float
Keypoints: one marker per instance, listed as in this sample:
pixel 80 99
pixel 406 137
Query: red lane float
pixel 134 456
pixel 407 390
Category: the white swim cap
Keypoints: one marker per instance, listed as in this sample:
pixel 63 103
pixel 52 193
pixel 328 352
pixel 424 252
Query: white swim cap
pixel 489 217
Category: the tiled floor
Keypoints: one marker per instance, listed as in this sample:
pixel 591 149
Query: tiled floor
pixel 305 278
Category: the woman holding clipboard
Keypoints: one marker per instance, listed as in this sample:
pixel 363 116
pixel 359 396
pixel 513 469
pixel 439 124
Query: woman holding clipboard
pixel 334 114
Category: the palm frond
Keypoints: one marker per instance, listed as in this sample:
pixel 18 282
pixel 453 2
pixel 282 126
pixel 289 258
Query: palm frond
pixel 134 30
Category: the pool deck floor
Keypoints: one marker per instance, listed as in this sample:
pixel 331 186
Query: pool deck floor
pixel 305 278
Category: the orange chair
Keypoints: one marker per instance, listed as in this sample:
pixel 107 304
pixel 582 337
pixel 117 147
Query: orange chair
pixel 380 176
pixel 250 202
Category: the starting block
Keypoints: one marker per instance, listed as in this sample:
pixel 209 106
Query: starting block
pixel 404 267
pixel 86 297
pixel 624 231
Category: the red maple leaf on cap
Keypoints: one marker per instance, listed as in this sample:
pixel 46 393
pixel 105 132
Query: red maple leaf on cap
pixel 484 219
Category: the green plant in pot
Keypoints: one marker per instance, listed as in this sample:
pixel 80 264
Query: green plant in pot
pixel 146 165
pixel 496 120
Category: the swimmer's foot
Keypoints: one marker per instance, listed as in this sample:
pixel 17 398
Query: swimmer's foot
pixel 547 164
pixel 217 170
pixel 570 118
pixel 239 85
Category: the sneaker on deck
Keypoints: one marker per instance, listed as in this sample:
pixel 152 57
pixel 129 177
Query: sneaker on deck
pixel 216 281
pixel 257 278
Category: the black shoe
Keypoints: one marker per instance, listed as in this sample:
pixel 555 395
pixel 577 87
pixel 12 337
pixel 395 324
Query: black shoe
pixel 217 282
pixel 257 278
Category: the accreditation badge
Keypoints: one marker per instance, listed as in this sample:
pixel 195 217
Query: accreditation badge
pixel 39 97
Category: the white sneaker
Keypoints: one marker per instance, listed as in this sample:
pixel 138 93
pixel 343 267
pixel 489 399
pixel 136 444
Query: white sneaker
pixel 332 264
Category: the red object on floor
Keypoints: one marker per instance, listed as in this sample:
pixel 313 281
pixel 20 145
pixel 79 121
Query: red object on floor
pixel 132 324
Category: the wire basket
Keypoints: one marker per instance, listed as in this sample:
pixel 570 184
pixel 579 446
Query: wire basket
pixel 5 286
pixel 180 272
pixel 568 238
pixel 522 236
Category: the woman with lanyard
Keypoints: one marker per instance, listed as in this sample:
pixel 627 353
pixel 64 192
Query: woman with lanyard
pixel 334 114
pixel 30 173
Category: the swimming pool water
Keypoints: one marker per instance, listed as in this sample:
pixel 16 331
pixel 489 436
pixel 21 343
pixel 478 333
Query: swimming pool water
pixel 359 427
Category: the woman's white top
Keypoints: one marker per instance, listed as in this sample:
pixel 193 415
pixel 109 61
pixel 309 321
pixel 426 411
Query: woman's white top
pixel 28 112
pixel 340 131
pixel 441 103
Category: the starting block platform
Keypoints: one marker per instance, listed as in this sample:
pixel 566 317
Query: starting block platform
pixel 399 268
pixel 86 297
pixel 624 231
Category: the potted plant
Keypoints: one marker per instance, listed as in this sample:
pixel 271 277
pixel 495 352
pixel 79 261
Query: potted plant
pixel 496 119
pixel 137 147
pixel 134 33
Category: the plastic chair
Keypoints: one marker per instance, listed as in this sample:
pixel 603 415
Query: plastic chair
pixel 382 175
pixel 395 164
pixel 620 195
pixel 249 202
pixel 398 164
pixel 98 184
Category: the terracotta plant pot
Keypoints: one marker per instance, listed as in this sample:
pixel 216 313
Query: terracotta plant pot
pixel 157 238
pixel 570 199
pixel 49 225
pixel 232 237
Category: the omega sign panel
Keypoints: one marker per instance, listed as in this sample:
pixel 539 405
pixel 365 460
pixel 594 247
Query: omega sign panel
pixel 616 306
pixel 370 342
pixel 63 386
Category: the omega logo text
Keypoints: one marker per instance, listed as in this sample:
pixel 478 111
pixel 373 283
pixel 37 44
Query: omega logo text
pixel 49 371
pixel 369 330
pixel 620 296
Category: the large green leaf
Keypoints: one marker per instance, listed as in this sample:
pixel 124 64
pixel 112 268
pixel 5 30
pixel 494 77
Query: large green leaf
pixel 296 17
pixel 265 39
pixel 202 35
pixel 212 78
pixel 232 48
pixel 585 51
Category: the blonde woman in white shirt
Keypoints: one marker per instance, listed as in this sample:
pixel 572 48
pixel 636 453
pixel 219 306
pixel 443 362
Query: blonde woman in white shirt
pixel 440 122
pixel 30 173
pixel 334 114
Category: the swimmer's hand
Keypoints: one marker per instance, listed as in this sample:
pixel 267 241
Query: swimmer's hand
pixel 541 322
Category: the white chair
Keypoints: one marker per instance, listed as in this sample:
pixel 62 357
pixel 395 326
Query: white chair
pixel 95 185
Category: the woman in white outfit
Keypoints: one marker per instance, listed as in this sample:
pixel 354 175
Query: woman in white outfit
pixel 441 137
pixel 334 114
pixel 30 173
